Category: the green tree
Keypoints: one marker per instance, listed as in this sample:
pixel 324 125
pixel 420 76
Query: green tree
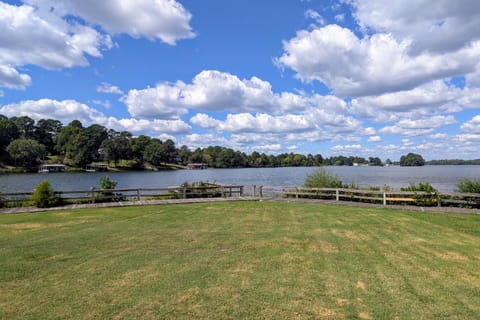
pixel 374 161
pixel 44 196
pixel 25 152
pixel 154 152
pixel 8 133
pixel 411 160
pixel 138 147
pixel 117 146
pixel 46 132
pixel 25 126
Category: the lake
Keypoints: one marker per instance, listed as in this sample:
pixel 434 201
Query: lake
pixel 444 178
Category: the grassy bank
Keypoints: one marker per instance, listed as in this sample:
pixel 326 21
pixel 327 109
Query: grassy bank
pixel 239 260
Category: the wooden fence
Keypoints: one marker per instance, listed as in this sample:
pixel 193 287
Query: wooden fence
pixel 450 199
pixel 94 195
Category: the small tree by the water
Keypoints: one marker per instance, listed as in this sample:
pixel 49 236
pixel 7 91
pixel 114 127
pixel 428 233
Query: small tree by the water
pixel 321 178
pixel 44 196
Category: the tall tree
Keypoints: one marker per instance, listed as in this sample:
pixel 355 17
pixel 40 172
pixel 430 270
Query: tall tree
pixel 46 132
pixel 25 152
pixel 25 126
pixel 117 146
pixel 8 132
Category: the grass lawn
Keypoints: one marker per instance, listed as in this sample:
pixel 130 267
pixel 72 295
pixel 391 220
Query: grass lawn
pixel 239 260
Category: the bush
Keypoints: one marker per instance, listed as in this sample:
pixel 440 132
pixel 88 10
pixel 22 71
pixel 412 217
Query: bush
pixel 468 186
pixel 106 183
pixel 428 199
pixel 321 178
pixel 44 196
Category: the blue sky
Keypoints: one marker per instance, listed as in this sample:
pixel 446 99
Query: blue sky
pixel 349 77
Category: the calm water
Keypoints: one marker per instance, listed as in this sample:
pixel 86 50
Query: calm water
pixel 443 178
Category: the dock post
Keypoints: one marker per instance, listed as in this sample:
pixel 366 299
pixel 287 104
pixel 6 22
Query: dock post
pixel 384 199
pixel 337 195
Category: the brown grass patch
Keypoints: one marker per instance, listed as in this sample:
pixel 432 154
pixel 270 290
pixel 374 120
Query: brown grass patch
pixel 360 285
pixel 452 256
pixel 364 315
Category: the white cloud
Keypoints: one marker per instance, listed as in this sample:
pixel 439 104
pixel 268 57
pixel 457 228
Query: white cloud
pixel 109 88
pixel 11 78
pixel 409 127
pixel 166 20
pixel 45 41
pixel 213 90
pixel 374 139
pixel 68 110
pixel 314 15
pixel 445 26
pixel 347 148
pixel 160 102
pixel 351 66
pixel 472 126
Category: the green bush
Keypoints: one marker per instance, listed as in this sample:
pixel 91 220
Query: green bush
pixel 428 199
pixel 106 183
pixel 468 186
pixel 44 196
pixel 321 178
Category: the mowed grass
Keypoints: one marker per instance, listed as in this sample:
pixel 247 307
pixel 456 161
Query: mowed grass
pixel 239 260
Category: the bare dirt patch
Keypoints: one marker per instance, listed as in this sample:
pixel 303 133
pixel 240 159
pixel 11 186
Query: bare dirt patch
pixel 364 315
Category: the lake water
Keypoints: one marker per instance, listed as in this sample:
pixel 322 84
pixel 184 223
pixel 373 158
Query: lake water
pixel 443 178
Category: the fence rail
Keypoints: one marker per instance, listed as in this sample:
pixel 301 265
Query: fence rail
pixel 95 195
pixel 372 196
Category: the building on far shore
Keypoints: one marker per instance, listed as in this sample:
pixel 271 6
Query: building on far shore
pixel 198 166
pixel 45 168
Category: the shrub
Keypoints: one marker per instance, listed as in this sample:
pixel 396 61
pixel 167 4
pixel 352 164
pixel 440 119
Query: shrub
pixel 44 196
pixel 321 178
pixel 468 186
pixel 428 199
pixel 106 183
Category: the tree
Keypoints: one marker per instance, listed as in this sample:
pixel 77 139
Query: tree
pixel 138 147
pixel 25 152
pixel 8 133
pixel 411 160
pixel 46 132
pixel 25 126
pixel 154 152
pixel 44 196
pixel 117 146
pixel 374 161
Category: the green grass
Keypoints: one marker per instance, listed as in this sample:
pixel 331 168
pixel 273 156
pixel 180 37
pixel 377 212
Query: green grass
pixel 239 260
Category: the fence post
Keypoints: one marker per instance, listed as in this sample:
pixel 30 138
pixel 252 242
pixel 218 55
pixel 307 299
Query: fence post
pixel 93 195
pixel 384 199
pixel 337 195
pixel 439 200
pixel 184 192
pixel 138 194
pixel 241 191
pixel 296 193
pixel 254 190
pixel 261 191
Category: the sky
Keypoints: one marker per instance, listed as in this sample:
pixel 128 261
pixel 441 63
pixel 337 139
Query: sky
pixel 349 77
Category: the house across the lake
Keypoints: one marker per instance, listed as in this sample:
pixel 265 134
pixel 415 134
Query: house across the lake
pixel 45 168
pixel 200 166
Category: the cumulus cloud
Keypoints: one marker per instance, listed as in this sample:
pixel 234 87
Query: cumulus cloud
pixel 68 110
pixel 409 127
pixel 166 20
pixel 109 88
pixel 354 67
pixel 47 33
pixel 45 41
pixel 472 126
pixel 213 90
pixel 446 26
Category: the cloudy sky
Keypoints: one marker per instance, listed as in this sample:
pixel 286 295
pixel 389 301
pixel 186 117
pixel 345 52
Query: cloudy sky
pixel 350 77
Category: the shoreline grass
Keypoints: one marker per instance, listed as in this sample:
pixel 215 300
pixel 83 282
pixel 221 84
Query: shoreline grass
pixel 236 260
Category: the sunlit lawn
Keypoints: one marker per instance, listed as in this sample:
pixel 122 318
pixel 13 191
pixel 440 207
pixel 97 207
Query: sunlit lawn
pixel 239 260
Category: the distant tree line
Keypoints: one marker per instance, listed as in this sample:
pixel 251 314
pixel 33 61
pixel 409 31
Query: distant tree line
pixel 26 143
